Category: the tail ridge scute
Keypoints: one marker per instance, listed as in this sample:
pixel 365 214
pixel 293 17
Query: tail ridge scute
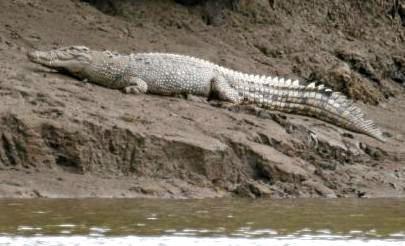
pixel 312 100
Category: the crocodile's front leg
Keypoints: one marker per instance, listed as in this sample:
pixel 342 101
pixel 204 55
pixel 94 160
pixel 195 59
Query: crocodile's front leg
pixel 135 86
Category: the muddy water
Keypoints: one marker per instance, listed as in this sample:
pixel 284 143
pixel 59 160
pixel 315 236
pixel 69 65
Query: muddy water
pixel 202 222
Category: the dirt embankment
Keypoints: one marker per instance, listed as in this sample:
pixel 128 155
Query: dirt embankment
pixel 60 137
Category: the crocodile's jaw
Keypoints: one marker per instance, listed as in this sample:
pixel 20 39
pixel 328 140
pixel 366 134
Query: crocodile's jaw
pixel 72 58
pixel 48 59
pixel 80 63
pixel 40 58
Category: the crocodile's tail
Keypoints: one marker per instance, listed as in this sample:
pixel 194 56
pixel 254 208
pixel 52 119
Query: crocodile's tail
pixel 317 101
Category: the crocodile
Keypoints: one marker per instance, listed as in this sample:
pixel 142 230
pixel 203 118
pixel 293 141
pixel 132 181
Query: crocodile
pixel 170 74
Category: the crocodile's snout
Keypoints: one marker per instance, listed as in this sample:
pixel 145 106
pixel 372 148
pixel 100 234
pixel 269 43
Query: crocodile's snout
pixel 33 56
pixel 43 58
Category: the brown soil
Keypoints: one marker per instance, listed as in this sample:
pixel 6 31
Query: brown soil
pixel 60 137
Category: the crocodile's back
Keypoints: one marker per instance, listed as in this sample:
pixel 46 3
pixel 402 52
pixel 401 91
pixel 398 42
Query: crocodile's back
pixel 168 74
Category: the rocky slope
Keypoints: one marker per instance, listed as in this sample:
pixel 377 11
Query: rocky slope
pixel 60 137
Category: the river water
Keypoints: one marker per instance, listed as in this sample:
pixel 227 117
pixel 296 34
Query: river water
pixel 202 222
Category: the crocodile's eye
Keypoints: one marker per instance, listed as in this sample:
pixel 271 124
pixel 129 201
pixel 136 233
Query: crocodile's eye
pixel 72 48
pixel 77 48
pixel 82 48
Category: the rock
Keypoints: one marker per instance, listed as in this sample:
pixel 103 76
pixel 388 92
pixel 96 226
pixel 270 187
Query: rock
pixel 398 72
pixel 253 190
pixel 342 78
pixel 401 13
pixel 320 188
pixel 374 152
pixel 358 63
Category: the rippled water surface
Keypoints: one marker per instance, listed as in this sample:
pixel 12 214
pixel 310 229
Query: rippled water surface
pixel 202 222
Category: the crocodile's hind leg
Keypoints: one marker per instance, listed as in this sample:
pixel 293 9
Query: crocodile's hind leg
pixel 221 87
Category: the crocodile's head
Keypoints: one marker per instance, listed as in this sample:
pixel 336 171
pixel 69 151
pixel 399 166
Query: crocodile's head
pixel 73 59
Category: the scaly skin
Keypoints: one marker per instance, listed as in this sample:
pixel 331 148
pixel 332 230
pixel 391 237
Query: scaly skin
pixel 170 74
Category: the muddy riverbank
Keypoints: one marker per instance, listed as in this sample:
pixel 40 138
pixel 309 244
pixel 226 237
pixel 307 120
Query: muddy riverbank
pixel 60 137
